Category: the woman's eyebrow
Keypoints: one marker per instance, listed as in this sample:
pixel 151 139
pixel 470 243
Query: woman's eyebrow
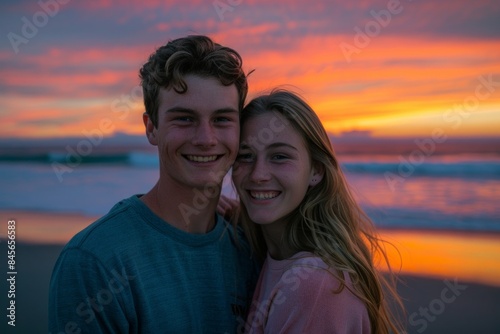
pixel 279 145
pixel 244 146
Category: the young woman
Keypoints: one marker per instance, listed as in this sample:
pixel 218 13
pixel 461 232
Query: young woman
pixel 317 244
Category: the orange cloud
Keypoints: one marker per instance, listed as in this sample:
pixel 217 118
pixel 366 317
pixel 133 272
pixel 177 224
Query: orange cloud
pixel 391 78
pixel 401 80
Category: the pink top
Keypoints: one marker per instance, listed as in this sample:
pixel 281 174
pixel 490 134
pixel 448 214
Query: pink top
pixel 295 296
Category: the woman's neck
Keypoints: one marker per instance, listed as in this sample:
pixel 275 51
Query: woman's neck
pixel 277 245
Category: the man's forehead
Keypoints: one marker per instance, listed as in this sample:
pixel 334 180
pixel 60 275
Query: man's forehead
pixel 200 95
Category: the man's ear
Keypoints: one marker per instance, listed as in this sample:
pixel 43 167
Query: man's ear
pixel 317 173
pixel 150 129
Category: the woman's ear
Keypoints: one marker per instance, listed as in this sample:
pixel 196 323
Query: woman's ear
pixel 150 129
pixel 317 173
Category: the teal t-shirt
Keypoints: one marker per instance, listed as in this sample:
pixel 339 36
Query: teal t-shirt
pixel 130 272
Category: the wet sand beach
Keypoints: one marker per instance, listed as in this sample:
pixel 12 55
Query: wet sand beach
pixel 436 302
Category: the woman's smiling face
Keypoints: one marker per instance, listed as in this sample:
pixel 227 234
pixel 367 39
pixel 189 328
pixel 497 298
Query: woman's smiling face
pixel 273 169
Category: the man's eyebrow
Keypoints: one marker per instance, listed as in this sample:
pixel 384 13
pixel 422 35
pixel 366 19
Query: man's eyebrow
pixel 244 146
pixel 180 110
pixel 192 111
pixel 226 110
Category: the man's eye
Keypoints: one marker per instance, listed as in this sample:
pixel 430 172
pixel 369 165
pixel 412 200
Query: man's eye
pixel 184 119
pixel 222 119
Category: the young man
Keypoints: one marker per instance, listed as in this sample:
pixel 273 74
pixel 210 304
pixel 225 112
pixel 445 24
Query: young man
pixel 165 262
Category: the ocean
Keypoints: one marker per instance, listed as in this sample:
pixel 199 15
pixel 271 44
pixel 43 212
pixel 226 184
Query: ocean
pixel 442 192
pixel 440 215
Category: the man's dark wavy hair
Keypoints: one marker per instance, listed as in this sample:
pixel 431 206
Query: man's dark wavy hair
pixel 197 55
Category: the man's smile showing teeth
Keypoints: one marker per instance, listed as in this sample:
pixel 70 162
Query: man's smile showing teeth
pixel 264 194
pixel 200 158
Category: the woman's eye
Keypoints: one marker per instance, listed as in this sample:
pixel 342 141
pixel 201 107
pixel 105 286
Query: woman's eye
pixel 279 157
pixel 244 157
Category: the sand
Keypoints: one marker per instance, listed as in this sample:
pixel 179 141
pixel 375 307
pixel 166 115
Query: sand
pixel 443 304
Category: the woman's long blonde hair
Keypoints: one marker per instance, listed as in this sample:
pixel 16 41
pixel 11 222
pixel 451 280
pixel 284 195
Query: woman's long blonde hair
pixel 329 222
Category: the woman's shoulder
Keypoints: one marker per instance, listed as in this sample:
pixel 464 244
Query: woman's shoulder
pixel 306 271
pixel 322 296
pixel 307 259
pixel 308 263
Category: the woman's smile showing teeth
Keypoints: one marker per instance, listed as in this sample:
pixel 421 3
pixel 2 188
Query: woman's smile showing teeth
pixel 202 158
pixel 264 194
pixel 272 175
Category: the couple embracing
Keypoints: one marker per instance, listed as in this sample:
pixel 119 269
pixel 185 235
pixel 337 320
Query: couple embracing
pixel 298 255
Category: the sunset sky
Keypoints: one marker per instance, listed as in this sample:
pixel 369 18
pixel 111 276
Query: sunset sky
pixel 392 67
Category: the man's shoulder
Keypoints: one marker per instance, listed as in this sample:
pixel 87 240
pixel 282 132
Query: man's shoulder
pixel 110 228
pixel 236 234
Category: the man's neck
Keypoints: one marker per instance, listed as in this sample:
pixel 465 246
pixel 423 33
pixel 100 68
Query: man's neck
pixel 185 209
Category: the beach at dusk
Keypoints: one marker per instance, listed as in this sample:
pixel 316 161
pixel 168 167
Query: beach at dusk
pixel 449 281
pixel 408 91
pixel 443 242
